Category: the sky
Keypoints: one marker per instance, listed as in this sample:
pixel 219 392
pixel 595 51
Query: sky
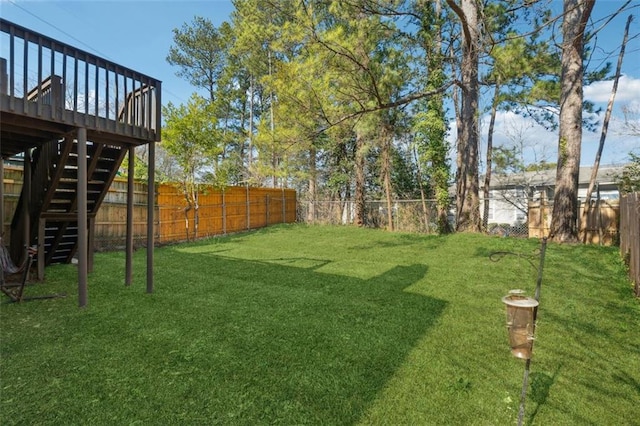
pixel 138 34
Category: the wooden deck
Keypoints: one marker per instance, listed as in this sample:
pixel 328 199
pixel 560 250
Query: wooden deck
pixel 49 89
pixel 73 117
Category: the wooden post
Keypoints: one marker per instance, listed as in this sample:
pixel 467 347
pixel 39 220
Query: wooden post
pixel 56 97
pixel 1 197
pixel 82 218
pixel 543 207
pixel 224 214
pixel 599 213
pixel 268 209
pixel 151 192
pixel 248 210
pixel 4 80
pixel 128 275
pixel 91 242
pixel 42 223
pixel 26 236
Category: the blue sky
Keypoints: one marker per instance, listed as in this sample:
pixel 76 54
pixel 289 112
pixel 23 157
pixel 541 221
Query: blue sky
pixel 138 34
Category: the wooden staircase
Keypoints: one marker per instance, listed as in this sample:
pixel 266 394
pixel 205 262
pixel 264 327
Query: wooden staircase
pixel 53 202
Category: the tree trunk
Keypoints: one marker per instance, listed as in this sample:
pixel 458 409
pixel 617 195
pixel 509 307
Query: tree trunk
pixel 196 214
pixel 564 226
pixel 386 136
pixel 423 196
pixel 360 179
pixel 440 147
pixel 311 213
pixel 467 186
pixel 250 152
pixel 489 161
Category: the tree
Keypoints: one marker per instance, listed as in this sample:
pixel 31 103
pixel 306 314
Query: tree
pixel 516 62
pixel 190 136
pixel 605 125
pixel 631 119
pixel 565 201
pixel 467 187
pixel 429 121
pixel 199 52
pixel 630 179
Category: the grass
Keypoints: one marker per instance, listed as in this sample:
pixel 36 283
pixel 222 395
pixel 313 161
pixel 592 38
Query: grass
pixel 324 325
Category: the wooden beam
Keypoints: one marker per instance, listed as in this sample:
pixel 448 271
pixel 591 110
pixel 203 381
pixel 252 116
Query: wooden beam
pixel 82 218
pixel 1 197
pixel 151 197
pixel 42 223
pixel 128 278
pixel 26 190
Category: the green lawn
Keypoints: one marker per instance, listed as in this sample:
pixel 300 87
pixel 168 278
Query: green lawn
pixel 325 325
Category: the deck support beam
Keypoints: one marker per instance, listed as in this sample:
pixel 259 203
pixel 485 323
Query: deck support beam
pixel 130 192
pixel 82 218
pixel 1 197
pixel 26 236
pixel 151 201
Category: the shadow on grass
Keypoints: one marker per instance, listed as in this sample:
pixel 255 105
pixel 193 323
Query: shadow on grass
pixel 541 384
pixel 279 343
pixel 221 341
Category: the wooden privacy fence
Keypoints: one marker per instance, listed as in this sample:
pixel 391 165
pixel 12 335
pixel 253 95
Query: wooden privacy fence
pixel 630 235
pixel 221 211
pixel 224 211
pixel 601 226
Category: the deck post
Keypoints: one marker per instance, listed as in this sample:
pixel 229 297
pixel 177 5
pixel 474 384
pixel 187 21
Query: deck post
pixel 82 217
pixel 1 197
pixel 151 192
pixel 42 224
pixel 128 278
pixel 26 236
pixel 91 246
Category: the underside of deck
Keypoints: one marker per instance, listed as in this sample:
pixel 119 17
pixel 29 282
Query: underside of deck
pixel 71 118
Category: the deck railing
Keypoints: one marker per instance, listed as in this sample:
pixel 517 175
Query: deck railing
pixel 53 81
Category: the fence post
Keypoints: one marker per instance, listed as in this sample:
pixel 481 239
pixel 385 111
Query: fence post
pixel 599 213
pixel 224 214
pixel 248 210
pixel 284 210
pixel 268 209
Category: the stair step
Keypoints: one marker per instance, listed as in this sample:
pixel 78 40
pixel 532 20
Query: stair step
pixel 61 233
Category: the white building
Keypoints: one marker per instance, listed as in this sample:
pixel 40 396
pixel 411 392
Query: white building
pixel 510 195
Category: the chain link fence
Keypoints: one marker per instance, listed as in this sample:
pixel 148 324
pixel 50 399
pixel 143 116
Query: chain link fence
pixel 407 215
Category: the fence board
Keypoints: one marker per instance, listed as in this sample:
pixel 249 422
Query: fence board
pixel 601 226
pixel 630 236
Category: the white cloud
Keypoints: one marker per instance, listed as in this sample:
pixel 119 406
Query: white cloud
pixel 539 144
pixel 600 91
